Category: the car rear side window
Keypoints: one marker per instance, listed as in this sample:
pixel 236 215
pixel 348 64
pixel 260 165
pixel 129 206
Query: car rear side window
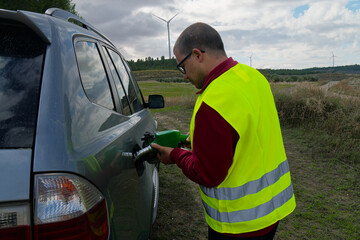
pixel 120 89
pixel 21 59
pixel 137 88
pixel 93 74
pixel 135 103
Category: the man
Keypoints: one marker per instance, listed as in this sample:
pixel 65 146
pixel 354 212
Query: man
pixel 237 156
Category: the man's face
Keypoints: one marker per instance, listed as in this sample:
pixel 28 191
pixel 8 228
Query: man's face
pixel 190 65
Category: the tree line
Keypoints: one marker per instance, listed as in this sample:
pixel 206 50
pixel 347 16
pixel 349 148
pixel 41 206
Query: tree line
pixel 273 75
pixel 150 63
pixel 354 69
pixel 39 6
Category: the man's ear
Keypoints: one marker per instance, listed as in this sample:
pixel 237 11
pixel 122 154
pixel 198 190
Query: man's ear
pixel 198 54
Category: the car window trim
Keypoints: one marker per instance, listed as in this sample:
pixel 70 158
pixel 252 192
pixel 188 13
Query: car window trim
pixel 93 40
pixel 132 77
pixel 112 78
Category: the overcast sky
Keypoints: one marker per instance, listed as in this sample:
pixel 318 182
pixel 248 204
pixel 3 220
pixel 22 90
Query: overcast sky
pixel 272 33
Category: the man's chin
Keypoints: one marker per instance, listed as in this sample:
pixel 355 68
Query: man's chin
pixel 195 84
pixel 198 86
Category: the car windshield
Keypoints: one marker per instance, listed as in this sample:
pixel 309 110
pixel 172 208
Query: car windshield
pixel 21 59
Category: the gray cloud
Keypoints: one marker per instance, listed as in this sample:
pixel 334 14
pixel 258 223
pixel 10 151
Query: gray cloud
pixel 266 28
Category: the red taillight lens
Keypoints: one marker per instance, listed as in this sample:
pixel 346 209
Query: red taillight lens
pixel 14 222
pixel 91 225
pixel 68 207
pixel 15 233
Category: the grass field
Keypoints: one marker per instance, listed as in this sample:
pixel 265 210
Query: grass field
pixel 327 187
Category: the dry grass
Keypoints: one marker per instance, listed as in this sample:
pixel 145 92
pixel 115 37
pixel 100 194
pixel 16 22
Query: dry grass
pixel 334 119
pixel 348 87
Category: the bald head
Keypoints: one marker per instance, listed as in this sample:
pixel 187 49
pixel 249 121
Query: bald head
pixel 200 36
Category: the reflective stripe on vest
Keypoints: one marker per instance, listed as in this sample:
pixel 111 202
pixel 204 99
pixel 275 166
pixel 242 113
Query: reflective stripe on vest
pixel 250 187
pixel 253 213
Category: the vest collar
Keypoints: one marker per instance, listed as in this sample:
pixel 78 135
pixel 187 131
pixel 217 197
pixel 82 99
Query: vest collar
pixel 217 71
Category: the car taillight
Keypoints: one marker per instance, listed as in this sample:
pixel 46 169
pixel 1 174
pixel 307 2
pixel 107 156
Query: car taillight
pixel 14 222
pixel 68 207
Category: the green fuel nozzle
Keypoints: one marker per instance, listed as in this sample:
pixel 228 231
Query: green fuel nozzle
pixel 170 138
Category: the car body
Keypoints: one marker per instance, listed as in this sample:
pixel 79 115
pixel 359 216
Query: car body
pixel 69 107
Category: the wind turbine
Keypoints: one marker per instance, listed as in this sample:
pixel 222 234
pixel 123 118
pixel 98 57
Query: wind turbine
pixel 168 28
pixel 251 59
pixel 333 57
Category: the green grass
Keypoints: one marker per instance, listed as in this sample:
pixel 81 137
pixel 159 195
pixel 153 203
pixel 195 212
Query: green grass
pixel 326 190
pixel 180 215
pixel 184 90
pixel 155 75
pixel 326 182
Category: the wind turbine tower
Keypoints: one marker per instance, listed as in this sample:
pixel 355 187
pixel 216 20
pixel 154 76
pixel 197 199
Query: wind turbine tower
pixel 250 60
pixel 168 29
pixel 333 57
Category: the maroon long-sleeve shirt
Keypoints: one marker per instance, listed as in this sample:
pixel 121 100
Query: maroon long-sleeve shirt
pixel 214 142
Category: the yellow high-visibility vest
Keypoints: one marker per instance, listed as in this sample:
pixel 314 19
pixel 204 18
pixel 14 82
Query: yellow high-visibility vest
pixel 257 191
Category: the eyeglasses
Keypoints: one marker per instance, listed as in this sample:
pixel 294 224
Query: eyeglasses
pixel 182 69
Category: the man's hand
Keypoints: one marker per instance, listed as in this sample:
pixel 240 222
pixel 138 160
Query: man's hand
pixel 163 153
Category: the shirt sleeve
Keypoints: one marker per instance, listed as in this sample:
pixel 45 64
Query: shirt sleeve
pixel 214 143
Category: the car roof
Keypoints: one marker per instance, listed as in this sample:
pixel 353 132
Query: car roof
pixel 41 25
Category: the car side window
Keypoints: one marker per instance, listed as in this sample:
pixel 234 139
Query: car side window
pixel 93 74
pixel 135 103
pixel 137 88
pixel 120 89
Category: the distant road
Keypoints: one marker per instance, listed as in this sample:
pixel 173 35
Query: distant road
pixel 327 86
pixel 330 84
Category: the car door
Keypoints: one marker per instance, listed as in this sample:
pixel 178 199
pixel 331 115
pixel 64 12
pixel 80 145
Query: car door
pixel 129 187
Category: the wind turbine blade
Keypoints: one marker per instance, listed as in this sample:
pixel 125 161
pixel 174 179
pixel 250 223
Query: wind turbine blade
pixel 159 17
pixel 173 17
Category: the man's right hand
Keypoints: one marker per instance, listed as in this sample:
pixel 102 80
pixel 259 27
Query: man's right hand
pixel 163 153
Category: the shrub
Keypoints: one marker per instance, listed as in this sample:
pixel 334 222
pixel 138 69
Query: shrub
pixel 335 118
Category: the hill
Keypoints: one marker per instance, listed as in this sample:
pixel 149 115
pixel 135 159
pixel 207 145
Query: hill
pixel 349 69
pixel 150 63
